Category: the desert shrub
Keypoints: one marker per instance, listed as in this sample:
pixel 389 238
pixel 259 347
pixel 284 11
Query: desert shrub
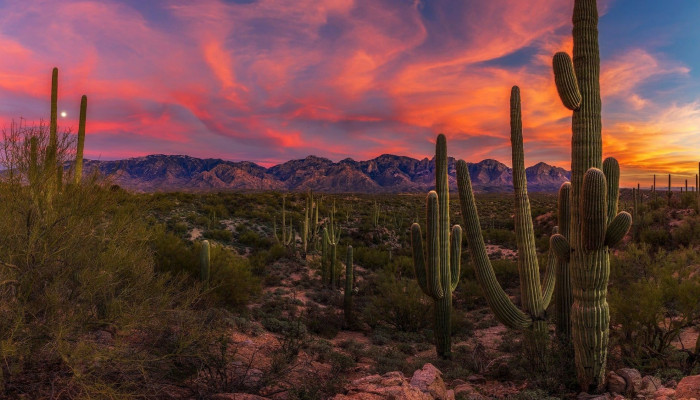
pixel 84 312
pixel 665 287
pixel 399 303
pixel 371 257
pixel 232 282
pixel 222 235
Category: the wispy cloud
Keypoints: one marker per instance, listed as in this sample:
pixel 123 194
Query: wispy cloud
pixel 267 81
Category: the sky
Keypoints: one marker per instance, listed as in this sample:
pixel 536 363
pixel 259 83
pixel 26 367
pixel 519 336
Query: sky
pixel 272 80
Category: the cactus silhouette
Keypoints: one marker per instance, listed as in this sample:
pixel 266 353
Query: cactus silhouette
pixel 438 274
pixel 535 295
pixel 594 223
pixel 78 173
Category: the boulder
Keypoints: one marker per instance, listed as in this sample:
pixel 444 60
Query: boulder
pixel 392 385
pixel 429 380
pixel 616 383
pixel 465 391
pixel 586 396
pixel 236 396
pixel 650 384
pixel 664 394
pixel 633 379
pixel 688 387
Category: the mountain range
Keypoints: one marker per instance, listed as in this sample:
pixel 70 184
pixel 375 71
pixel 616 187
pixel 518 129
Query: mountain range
pixel 384 174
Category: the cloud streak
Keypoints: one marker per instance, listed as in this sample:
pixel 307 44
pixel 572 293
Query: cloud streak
pixel 268 81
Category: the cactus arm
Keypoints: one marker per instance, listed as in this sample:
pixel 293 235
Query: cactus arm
pixel 455 256
pixel 549 274
pixel 594 209
pixel 78 173
pixel 434 284
pixel 499 302
pixel 528 268
pixel 611 169
pixel 418 257
pixel 560 247
pixel 618 228
pixel 565 80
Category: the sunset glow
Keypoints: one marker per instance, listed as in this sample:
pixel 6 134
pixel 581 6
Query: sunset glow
pixel 268 80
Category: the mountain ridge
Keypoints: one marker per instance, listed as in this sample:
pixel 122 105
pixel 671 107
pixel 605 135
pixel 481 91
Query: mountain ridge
pixel 386 173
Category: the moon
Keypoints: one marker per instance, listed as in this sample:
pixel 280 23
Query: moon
pixel 64 114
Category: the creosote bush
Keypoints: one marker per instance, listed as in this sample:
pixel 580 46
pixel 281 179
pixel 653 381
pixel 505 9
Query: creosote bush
pixel 84 313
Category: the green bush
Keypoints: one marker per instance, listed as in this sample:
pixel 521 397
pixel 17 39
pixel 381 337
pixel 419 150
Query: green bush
pixel 399 303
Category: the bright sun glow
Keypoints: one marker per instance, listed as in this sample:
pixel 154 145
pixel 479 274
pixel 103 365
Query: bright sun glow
pixel 63 114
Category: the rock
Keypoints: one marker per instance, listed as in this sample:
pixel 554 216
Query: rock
pixel 236 396
pixel 650 384
pixel 633 379
pixel 618 397
pixel 392 385
pixel 476 379
pixel 688 387
pixel 450 395
pixel 664 394
pixel 616 383
pixel 586 396
pixel 429 380
pixel 465 391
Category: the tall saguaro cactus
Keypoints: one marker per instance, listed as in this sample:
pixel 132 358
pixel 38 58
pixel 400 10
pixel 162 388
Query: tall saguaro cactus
pixel 535 295
pixel 594 195
pixel 438 274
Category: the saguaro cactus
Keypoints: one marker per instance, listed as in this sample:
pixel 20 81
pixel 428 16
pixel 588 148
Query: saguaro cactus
pixel 594 197
pixel 287 235
pixel 331 237
pixel 204 263
pixel 438 274
pixel 349 280
pixel 535 296
pixel 78 173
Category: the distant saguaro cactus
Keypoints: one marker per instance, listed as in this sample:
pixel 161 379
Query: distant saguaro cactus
pixel 438 274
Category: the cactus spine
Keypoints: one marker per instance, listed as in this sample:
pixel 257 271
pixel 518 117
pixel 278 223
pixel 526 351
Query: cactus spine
pixel 204 264
pixel 535 297
pixel 438 274
pixel 349 278
pixel 592 231
pixel 78 173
